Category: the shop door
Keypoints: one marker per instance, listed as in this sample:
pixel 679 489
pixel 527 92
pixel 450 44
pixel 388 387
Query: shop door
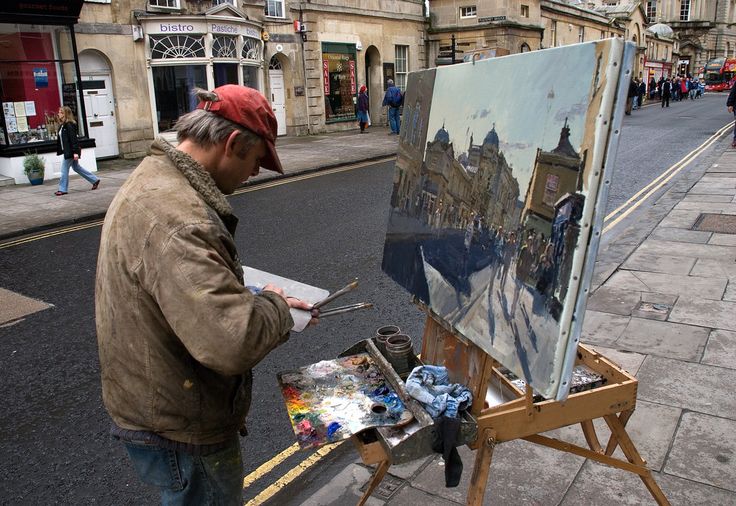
pixel 278 98
pixel 100 106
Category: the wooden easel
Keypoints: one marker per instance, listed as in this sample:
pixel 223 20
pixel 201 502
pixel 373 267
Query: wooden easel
pixel 522 418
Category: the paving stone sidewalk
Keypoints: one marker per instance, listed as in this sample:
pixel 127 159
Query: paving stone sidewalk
pixel 25 209
pixel 663 306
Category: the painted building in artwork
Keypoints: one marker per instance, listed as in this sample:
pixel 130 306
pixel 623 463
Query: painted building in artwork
pixel 556 173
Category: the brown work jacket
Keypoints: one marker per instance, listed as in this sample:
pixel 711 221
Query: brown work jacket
pixel 178 332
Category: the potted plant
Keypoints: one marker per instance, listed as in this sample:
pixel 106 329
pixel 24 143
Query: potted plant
pixel 33 166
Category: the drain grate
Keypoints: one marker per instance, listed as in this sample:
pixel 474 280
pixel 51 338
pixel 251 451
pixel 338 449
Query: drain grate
pixel 720 223
pixel 387 488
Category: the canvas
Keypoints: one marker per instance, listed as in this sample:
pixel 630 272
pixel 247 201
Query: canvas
pixel 498 175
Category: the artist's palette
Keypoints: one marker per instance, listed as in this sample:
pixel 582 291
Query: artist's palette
pixel 333 399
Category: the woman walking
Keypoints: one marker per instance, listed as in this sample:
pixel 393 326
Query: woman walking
pixel 363 109
pixel 67 144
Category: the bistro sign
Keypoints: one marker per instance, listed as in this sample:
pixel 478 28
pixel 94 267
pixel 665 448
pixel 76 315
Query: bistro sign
pixel 201 26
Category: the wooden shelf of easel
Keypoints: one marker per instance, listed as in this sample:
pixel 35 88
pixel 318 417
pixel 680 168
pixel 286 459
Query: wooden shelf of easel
pixel 519 417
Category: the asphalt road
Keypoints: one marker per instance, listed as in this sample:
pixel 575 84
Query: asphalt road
pixel 323 231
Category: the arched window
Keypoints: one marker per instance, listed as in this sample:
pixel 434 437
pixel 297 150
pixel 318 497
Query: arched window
pixel 274 64
pixel 525 48
pixel 223 46
pixel 177 46
pixel 251 49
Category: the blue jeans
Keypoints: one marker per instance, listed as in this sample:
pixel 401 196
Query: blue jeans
pixel 394 119
pixel 184 479
pixel 74 164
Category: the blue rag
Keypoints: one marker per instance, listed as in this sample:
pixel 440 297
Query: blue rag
pixel 429 384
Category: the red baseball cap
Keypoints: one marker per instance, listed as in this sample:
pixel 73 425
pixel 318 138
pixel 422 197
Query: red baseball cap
pixel 248 108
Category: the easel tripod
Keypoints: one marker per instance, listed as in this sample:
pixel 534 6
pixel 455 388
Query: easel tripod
pixel 522 418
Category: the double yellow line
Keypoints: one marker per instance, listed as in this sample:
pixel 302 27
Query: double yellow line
pixel 625 209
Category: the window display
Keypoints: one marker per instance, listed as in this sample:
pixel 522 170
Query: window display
pixel 37 76
pixel 172 86
pixel 338 74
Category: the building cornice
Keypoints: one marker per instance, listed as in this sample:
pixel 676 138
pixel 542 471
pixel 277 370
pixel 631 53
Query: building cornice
pixel 574 11
pixel 363 13
pixel 486 26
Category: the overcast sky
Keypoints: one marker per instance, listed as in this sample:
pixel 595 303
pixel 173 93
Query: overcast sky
pixel 527 96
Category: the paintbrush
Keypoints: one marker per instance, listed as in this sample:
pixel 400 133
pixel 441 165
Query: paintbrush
pixel 345 309
pixel 341 291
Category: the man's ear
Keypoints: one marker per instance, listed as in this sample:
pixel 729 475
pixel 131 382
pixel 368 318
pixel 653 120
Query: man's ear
pixel 233 144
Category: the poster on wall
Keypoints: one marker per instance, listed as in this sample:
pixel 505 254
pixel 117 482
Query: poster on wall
pixel 495 191
pixel 41 77
pixel 30 107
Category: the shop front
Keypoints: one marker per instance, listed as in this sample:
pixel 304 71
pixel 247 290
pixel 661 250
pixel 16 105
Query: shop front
pixel 39 72
pixel 203 51
pixel 339 80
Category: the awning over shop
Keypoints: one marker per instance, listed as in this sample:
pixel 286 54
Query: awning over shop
pixel 46 12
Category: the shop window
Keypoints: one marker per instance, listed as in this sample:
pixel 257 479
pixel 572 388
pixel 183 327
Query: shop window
pixel 37 76
pixel 177 46
pixel 338 74
pixel 275 8
pixel 223 46
pixel 225 73
pixel 251 49
pixel 172 88
pixel 467 12
pixel 402 66
pixel 250 76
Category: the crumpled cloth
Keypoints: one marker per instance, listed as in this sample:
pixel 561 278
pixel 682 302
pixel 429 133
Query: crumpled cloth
pixel 429 384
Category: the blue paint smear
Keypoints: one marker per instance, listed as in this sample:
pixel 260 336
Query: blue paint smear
pixel 332 428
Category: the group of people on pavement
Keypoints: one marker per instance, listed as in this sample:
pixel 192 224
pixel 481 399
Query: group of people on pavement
pixel 666 89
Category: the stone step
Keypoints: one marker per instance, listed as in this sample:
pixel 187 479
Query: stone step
pixel 6 181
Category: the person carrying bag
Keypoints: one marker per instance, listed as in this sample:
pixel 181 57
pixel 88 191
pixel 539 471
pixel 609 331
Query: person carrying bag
pixel 67 144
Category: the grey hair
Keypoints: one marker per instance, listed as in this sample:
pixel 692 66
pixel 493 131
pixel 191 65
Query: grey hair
pixel 206 128
pixel 390 82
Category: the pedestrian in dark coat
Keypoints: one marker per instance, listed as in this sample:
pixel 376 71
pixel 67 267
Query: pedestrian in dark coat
pixel 633 91
pixel 363 118
pixel 666 92
pixel 731 104
pixel 642 92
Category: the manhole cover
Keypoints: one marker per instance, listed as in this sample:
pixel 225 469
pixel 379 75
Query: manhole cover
pixel 721 223
pixel 387 488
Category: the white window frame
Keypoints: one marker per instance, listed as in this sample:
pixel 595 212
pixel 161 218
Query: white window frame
pixel 468 11
pixel 215 3
pixel 401 65
pixel 685 7
pixel 164 4
pixel 651 11
pixel 274 4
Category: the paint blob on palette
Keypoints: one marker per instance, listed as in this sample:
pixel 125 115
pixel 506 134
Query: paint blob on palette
pixel 333 399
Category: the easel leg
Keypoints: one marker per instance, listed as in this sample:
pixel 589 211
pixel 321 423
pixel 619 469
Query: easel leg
pixel 613 441
pixel 481 468
pixel 590 436
pixel 627 446
pixel 377 477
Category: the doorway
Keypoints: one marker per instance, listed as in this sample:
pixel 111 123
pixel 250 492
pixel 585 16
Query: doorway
pixel 99 103
pixel 374 83
pixel 278 95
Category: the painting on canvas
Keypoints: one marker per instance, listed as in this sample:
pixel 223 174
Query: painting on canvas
pixel 497 176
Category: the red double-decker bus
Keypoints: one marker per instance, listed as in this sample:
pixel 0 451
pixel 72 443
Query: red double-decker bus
pixel 719 74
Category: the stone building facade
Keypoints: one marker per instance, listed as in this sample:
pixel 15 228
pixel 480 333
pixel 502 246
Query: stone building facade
pixel 142 58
